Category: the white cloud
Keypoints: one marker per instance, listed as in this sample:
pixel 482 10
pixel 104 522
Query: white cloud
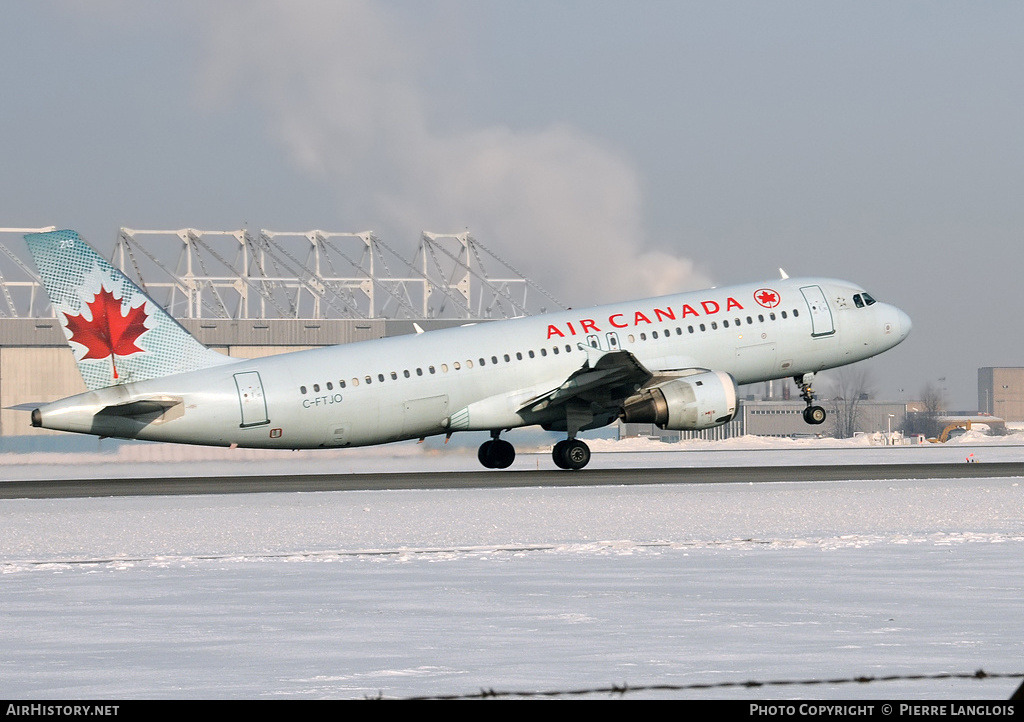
pixel 339 83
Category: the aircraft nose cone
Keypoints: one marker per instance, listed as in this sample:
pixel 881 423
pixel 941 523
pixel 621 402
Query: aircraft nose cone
pixel 903 323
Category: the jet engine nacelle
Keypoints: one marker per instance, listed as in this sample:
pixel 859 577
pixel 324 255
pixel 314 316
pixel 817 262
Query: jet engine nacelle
pixel 698 401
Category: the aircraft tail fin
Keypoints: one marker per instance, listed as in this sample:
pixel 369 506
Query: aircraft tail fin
pixel 117 332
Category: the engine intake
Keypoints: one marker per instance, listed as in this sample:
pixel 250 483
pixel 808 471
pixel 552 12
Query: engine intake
pixel 699 401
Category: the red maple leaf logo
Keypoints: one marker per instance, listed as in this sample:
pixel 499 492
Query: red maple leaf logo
pixel 108 333
pixel 767 297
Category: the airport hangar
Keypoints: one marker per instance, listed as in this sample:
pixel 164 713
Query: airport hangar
pixel 250 294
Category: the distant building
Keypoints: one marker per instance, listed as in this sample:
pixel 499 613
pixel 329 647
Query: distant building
pixel 783 418
pixel 1001 392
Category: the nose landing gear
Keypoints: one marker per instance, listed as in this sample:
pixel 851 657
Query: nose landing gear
pixel 813 414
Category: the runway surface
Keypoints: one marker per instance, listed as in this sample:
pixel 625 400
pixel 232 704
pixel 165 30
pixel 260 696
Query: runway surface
pixel 484 479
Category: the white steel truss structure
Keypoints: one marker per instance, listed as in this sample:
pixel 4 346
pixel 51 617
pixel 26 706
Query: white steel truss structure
pixel 21 290
pixel 314 274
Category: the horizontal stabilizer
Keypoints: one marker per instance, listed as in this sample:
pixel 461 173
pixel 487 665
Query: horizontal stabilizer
pixel 30 406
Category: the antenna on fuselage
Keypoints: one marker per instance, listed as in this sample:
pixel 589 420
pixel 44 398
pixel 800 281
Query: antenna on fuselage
pixel 783 274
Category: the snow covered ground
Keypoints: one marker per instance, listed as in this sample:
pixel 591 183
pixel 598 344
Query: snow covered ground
pixel 405 593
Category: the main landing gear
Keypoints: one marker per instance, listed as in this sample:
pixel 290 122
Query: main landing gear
pixel 813 414
pixel 496 453
pixel 571 454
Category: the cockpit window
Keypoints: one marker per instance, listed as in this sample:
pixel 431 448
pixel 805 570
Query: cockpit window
pixel 858 301
pixel 868 300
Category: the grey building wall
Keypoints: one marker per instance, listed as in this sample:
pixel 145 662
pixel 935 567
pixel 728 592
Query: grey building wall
pixel 1001 392
pixel 782 419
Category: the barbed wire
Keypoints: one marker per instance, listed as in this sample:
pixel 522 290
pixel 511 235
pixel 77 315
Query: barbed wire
pixel 625 688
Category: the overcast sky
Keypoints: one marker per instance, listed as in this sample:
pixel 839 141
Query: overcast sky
pixel 607 149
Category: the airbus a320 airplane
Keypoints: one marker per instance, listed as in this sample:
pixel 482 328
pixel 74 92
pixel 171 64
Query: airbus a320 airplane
pixel 674 361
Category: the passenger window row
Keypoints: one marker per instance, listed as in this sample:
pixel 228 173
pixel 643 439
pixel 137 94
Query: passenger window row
pixel 737 322
pixel 432 370
pixel 555 350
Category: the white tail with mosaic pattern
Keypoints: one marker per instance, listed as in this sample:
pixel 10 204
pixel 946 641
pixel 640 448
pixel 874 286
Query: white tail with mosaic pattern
pixel 118 334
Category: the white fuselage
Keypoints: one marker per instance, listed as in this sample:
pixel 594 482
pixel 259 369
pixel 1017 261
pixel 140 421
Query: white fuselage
pixel 480 377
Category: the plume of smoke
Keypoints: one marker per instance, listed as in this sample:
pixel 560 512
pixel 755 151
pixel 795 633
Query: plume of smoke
pixel 339 84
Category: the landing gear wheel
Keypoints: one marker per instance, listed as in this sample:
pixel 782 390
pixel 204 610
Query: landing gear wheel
pixel 558 454
pixel 814 415
pixel 496 454
pixel 571 454
pixel 483 454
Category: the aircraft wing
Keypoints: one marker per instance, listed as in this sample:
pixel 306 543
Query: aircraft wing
pixel 603 379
